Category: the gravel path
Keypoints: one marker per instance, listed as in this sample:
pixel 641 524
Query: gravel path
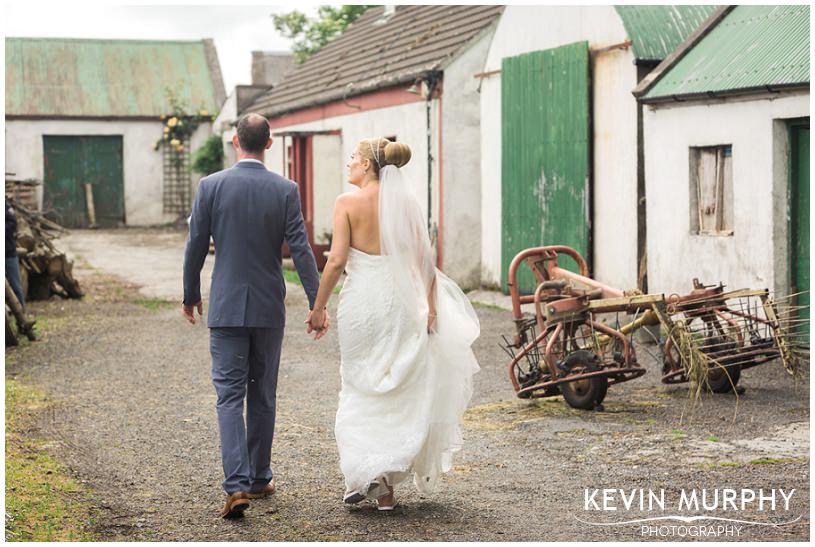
pixel 136 421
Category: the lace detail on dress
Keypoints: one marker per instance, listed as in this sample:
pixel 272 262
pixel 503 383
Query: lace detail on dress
pixel 403 391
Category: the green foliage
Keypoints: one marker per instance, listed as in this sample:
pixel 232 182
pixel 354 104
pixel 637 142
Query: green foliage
pixel 210 157
pixel 309 34
pixel 179 124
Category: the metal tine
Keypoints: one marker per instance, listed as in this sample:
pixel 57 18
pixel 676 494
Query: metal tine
pixel 789 296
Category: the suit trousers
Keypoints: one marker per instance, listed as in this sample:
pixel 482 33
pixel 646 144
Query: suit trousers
pixel 245 362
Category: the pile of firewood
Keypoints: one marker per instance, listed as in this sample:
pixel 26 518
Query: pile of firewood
pixel 44 270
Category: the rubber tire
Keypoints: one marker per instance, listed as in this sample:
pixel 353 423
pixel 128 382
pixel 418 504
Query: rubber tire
pixel 723 381
pixel 594 389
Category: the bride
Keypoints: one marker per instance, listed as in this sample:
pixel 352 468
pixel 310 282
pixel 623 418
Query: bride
pixel 405 331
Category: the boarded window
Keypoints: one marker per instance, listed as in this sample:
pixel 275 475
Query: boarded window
pixel 711 190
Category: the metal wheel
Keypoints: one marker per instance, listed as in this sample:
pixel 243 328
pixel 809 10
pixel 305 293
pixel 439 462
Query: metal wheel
pixel 585 393
pixel 723 379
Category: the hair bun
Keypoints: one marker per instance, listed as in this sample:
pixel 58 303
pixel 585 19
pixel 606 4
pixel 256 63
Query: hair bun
pixel 396 153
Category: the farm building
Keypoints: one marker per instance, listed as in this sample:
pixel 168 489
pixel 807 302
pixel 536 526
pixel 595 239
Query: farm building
pixel 268 69
pixel 561 140
pixel 726 125
pixel 83 117
pixel 402 72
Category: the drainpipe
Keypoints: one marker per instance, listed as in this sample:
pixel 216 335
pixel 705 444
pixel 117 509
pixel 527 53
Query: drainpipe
pixel 431 87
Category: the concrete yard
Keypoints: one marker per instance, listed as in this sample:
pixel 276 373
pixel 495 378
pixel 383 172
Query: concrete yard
pixel 135 421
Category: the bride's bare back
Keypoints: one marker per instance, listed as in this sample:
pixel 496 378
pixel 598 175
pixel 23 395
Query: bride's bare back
pixel 362 211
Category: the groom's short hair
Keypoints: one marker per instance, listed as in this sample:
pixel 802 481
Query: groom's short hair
pixel 253 132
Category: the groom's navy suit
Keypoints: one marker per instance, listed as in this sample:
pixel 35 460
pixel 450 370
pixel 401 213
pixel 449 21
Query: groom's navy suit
pixel 249 212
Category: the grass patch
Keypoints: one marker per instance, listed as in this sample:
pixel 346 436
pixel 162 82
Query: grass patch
pixel 155 304
pixel 719 464
pixel 292 277
pixel 679 434
pixel 772 461
pixel 713 438
pixel 757 461
pixel 477 304
pixel 43 502
pixel 48 324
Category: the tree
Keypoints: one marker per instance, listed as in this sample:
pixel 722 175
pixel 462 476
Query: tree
pixel 311 34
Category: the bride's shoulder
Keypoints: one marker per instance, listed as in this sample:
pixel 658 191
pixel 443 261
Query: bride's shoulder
pixel 347 200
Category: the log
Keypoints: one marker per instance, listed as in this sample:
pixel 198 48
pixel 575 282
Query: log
pixel 11 336
pixel 24 325
pixel 41 263
pixel 89 203
pixel 68 282
pixel 25 237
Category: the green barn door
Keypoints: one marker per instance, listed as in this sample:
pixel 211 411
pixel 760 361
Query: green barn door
pixel 70 163
pixel 545 154
pixel 799 220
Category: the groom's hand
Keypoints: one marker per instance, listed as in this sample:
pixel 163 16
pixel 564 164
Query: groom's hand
pixel 188 311
pixel 317 321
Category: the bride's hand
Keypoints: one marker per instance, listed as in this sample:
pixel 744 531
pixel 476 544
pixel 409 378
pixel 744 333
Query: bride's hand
pixel 319 321
pixel 431 322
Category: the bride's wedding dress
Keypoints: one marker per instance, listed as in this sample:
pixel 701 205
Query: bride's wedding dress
pixel 404 391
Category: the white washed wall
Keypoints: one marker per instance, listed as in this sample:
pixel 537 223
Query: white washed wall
pixel 142 169
pixel 523 29
pixel 755 255
pixel 461 169
pixel 407 122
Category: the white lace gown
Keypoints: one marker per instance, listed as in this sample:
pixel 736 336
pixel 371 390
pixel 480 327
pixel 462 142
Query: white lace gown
pixel 404 391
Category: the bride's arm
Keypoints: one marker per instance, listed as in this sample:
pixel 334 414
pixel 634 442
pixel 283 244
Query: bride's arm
pixel 431 306
pixel 335 265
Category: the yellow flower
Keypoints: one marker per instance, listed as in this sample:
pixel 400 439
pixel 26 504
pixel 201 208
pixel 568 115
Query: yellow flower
pixel 172 122
pixel 166 130
pixel 175 142
pixel 180 148
pixel 203 113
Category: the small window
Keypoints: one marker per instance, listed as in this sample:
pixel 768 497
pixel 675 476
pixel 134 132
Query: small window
pixel 711 190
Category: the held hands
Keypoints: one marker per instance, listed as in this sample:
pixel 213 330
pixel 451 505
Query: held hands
pixel 188 311
pixel 317 321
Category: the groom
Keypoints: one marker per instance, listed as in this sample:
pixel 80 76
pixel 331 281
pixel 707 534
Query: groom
pixel 249 212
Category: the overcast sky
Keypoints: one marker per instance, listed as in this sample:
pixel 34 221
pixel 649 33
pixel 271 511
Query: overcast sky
pixel 237 30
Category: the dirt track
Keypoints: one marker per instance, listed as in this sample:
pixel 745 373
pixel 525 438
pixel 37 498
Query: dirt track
pixel 136 420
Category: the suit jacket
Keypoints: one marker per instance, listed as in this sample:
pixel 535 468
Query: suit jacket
pixel 248 211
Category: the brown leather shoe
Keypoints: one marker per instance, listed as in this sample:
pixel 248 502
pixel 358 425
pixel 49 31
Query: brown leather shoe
pixel 236 504
pixel 268 490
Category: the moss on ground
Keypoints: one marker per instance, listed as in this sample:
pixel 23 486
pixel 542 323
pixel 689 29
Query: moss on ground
pixel 43 502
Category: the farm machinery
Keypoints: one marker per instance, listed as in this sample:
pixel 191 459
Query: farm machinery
pixel 566 346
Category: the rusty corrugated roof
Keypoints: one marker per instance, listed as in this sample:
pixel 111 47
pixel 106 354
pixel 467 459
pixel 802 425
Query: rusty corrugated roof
pixel 64 77
pixel 373 54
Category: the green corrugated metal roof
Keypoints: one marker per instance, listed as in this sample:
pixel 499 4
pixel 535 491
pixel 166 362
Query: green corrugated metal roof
pixel 655 31
pixel 77 77
pixel 752 47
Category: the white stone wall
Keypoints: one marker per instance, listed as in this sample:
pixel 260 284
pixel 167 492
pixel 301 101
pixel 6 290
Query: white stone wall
pixel 407 122
pixel 755 256
pixel 461 169
pixel 142 169
pixel 524 29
